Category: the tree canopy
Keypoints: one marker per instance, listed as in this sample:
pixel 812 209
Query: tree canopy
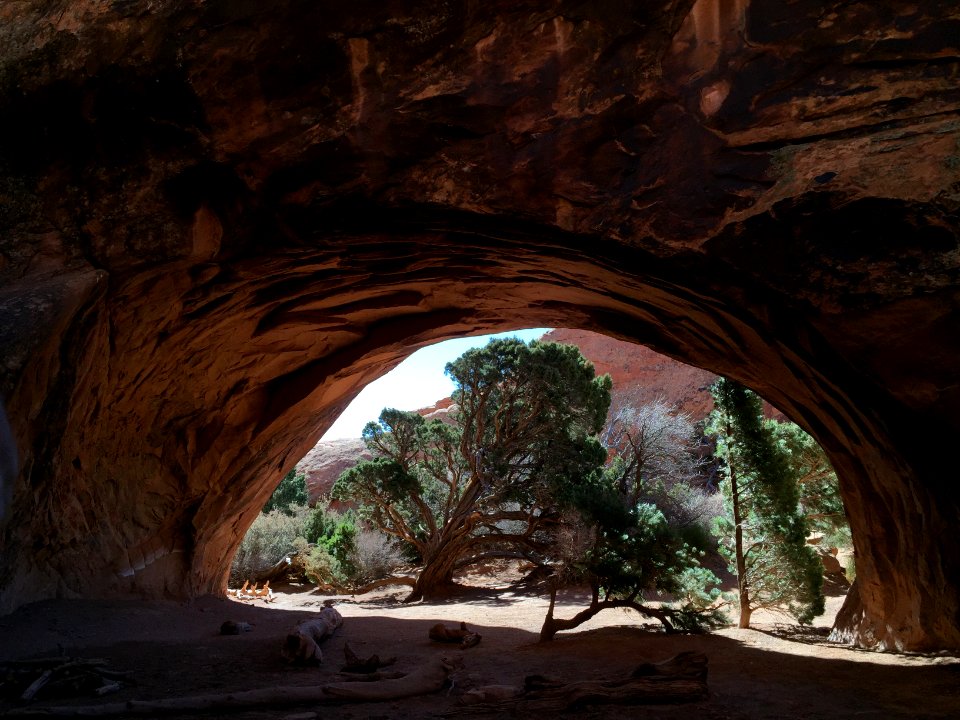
pixel 291 492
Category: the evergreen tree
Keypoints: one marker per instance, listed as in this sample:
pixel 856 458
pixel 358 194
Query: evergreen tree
pixel 490 485
pixel 819 489
pixel 765 532
pixel 291 491
pixel 629 538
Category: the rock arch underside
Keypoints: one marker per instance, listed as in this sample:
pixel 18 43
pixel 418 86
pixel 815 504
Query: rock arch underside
pixel 219 219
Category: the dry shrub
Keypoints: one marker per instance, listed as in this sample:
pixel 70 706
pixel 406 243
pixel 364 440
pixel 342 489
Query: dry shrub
pixel 375 556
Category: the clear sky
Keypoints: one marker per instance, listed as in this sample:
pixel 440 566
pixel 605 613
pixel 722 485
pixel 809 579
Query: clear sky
pixel 417 382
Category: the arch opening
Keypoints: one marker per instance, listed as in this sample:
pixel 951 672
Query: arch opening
pixel 668 401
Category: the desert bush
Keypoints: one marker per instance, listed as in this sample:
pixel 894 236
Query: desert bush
pixel 336 533
pixel 689 509
pixel 375 556
pixel 268 540
pixel 318 565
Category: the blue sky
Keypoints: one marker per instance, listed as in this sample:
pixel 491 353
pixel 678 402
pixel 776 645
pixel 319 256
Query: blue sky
pixel 415 383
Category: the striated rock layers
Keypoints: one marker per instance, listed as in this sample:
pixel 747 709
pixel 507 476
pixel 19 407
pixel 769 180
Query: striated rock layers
pixel 219 219
pixel 324 463
pixel 641 375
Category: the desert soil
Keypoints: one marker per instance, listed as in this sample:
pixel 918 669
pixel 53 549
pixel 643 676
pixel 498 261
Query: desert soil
pixel 175 650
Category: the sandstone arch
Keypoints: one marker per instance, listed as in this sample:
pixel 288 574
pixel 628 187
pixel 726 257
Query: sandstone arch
pixel 219 221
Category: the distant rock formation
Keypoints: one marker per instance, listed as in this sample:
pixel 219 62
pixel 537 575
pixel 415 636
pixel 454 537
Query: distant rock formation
pixel 440 410
pixel 641 375
pixel 325 461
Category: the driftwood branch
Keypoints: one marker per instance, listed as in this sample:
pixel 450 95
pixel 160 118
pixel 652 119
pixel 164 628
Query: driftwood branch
pixel 363 666
pixel 429 678
pixel 464 637
pixel 60 677
pixel 682 678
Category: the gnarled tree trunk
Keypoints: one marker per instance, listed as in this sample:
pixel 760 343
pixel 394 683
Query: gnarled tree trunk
pixel 552 625
pixel 436 578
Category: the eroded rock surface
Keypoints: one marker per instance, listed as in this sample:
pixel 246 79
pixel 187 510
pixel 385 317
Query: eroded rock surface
pixel 641 375
pixel 218 220
pixel 325 461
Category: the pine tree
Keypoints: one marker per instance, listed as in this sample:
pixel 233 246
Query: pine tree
pixel 765 531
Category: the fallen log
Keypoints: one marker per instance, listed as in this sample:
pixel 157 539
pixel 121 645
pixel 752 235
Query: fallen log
pixel 464 637
pixel 426 679
pixel 371 677
pixel 680 679
pixel 302 643
pixel 356 664
pixel 429 678
pixel 384 582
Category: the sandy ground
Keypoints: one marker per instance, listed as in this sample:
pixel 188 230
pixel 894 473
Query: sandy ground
pixel 175 650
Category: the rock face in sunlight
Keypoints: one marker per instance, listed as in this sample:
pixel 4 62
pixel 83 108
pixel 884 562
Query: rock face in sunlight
pixel 219 220
pixel 641 375
pixel 324 463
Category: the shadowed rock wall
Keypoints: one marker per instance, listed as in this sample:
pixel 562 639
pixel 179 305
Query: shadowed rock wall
pixel 218 220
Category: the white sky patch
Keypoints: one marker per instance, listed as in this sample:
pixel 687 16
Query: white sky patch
pixel 417 382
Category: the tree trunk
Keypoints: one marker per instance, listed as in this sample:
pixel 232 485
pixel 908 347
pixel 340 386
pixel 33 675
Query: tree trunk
pixel 743 587
pixel 551 625
pixel 436 578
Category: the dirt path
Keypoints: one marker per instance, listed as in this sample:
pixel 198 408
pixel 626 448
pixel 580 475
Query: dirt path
pixel 176 650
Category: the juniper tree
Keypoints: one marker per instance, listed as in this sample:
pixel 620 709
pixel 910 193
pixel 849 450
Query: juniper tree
pixel 490 484
pixel 627 534
pixel 765 531
pixel 290 493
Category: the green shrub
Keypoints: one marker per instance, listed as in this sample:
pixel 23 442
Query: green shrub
pixel 320 567
pixel 336 533
pixel 268 540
